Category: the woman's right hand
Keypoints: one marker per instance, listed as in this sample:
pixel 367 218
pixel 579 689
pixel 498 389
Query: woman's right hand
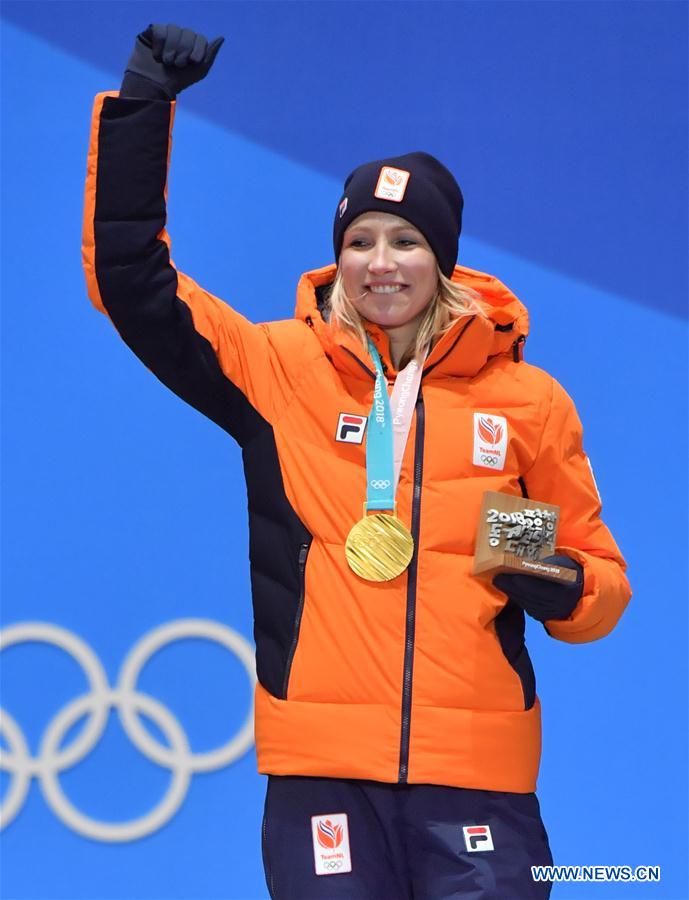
pixel 170 59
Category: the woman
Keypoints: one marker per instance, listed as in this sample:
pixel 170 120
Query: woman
pixel 396 713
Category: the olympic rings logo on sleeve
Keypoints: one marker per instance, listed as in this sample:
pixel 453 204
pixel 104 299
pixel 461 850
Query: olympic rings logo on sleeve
pixel 129 703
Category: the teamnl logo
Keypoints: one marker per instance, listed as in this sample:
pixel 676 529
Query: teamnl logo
pixel 392 184
pixel 58 753
pixel 490 441
pixel 331 851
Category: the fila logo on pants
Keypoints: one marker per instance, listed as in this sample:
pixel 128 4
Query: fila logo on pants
pixel 477 837
pixel 331 852
pixel 351 428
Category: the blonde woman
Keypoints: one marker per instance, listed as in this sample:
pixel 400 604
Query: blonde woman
pixel 396 711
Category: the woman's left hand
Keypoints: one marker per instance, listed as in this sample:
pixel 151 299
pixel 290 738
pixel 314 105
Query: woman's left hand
pixel 540 598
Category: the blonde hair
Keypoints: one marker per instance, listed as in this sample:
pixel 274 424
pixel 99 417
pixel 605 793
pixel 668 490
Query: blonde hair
pixel 449 301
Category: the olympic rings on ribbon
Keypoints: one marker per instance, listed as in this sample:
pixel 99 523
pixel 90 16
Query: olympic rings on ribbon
pixel 380 484
pixel 129 703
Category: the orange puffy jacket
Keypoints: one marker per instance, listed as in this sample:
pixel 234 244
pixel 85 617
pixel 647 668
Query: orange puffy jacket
pixel 424 678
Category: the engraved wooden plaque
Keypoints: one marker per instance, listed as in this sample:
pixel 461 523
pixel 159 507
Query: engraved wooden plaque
pixel 514 534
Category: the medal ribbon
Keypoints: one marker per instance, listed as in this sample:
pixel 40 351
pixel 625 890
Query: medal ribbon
pixel 388 430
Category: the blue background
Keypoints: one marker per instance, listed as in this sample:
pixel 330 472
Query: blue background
pixel 566 125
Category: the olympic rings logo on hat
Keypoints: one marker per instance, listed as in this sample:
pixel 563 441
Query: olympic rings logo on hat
pixel 129 703
pixel 379 484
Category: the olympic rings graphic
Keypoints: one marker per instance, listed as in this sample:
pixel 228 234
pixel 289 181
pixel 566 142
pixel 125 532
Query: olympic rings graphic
pixel 489 460
pixel 129 703
pixel 332 864
pixel 379 484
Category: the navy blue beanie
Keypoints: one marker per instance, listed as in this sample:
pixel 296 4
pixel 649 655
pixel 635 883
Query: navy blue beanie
pixel 416 187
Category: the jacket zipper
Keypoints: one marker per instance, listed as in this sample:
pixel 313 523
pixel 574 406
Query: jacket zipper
pixel 303 553
pixel 412 571
pixel 411 592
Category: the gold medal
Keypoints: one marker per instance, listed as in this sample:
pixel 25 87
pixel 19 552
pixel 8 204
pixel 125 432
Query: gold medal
pixel 379 547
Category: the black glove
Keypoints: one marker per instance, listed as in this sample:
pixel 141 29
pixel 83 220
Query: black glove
pixel 167 59
pixel 540 598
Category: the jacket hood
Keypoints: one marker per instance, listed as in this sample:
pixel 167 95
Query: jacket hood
pixel 462 351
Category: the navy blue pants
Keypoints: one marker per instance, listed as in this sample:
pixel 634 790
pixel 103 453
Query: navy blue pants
pixel 377 841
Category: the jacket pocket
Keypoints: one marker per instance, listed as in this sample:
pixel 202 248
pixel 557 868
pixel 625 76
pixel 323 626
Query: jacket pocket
pixel 303 554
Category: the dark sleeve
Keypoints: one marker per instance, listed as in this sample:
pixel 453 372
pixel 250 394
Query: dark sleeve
pixel 197 345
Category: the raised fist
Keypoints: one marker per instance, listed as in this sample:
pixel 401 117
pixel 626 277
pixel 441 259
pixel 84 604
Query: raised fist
pixel 170 58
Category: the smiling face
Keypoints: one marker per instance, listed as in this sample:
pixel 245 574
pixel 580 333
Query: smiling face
pixel 388 269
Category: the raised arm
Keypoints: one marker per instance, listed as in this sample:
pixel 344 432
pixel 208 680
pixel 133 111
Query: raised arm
pixel 202 349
